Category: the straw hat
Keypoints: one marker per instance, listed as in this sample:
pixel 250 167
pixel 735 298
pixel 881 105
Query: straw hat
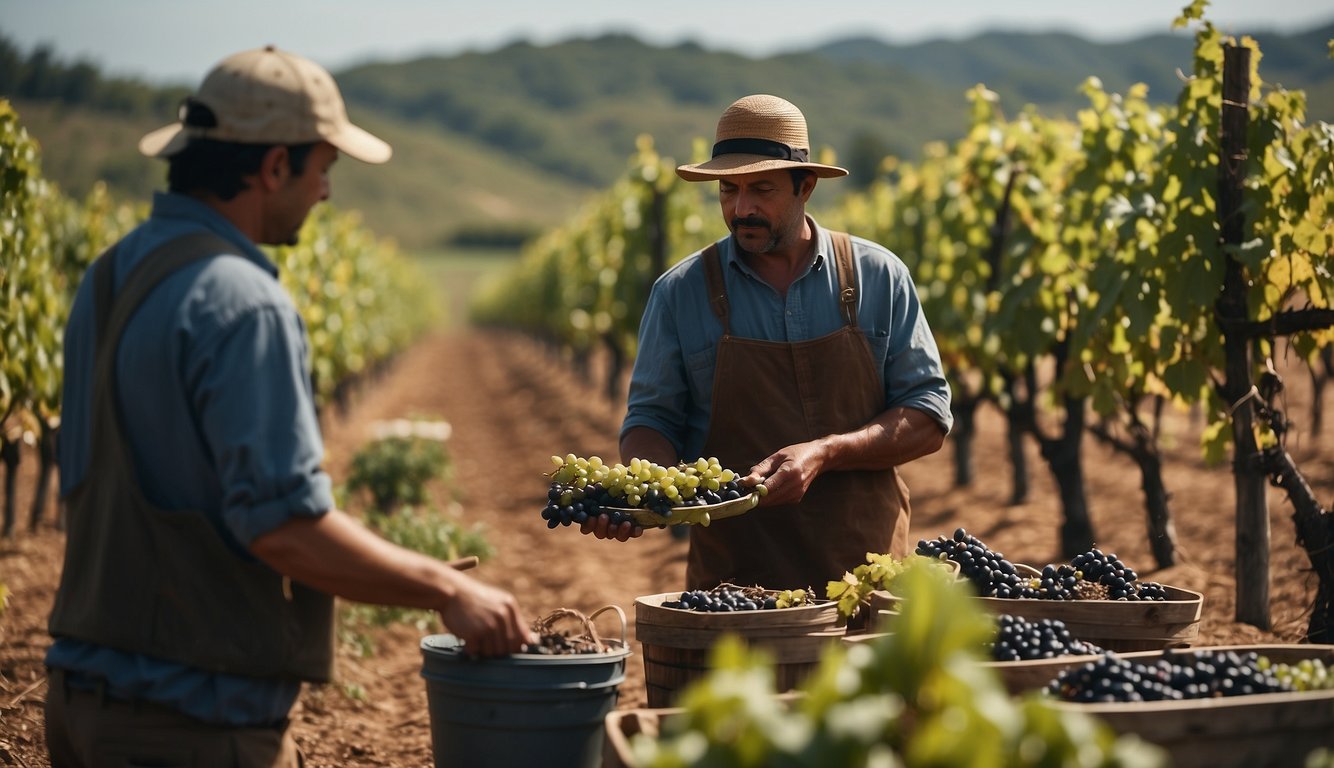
pixel 268 96
pixel 759 133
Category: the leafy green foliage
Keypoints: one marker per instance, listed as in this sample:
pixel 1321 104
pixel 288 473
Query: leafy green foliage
pixel 879 572
pixel 396 470
pixel 588 281
pixel 916 697
pixel 361 301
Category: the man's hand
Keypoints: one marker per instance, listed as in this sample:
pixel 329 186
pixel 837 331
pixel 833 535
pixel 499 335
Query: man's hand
pixel 486 619
pixel 788 473
pixel 600 527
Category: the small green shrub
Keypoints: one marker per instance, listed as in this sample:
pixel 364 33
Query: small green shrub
pixel 396 470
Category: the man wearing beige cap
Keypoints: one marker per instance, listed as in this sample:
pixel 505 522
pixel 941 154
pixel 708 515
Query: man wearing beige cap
pixel 204 549
pixel 792 352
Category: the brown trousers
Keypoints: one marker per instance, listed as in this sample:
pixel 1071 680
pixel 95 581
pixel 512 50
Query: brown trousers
pixel 87 730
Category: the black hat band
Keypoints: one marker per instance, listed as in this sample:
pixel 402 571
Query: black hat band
pixel 764 147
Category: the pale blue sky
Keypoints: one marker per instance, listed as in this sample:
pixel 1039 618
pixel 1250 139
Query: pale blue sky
pixel 178 40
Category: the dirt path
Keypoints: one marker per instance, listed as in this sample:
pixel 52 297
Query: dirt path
pixel 511 407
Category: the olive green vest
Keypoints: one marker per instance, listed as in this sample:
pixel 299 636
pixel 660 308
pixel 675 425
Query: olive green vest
pixel 164 583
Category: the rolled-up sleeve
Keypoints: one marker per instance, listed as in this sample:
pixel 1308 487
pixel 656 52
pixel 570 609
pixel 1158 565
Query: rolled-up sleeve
pixel 913 375
pixel 659 388
pixel 256 409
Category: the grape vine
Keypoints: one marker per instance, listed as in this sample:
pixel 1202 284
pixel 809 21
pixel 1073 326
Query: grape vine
pixel 361 302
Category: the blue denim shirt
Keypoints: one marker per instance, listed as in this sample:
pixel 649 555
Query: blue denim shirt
pixel 671 386
pixel 219 413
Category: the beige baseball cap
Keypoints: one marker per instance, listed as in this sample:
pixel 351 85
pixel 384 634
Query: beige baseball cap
pixel 269 96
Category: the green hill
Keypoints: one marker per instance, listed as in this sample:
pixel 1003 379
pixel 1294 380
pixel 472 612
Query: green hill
pixel 500 144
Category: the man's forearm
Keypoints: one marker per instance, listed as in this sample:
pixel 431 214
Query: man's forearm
pixel 337 555
pixel 895 437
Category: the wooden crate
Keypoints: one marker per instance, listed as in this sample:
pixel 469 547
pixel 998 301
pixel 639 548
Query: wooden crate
pixel 1114 625
pixel 676 643
pixel 1272 729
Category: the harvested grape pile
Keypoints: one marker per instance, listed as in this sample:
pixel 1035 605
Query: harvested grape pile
pixel 1196 674
pixel 1020 639
pixel 726 598
pixel 511 405
pixel 1091 575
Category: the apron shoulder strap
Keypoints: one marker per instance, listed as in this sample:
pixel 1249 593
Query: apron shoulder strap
pixel 717 286
pixel 847 276
pixel 113 311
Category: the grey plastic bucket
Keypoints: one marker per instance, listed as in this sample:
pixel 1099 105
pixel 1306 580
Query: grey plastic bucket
pixel 519 710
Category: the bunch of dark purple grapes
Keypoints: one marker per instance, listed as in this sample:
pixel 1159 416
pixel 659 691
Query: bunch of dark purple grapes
pixel 1198 674
pixel 1091 575
pixel 569 505
pixel 1119 580
pixel 988 570
pixel 723 599
pixel 1019 639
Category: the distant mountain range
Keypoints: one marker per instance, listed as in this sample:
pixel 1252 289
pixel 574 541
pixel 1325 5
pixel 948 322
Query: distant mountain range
pixel 507 142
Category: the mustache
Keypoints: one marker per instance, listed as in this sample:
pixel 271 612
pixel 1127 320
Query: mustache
pixel 750 221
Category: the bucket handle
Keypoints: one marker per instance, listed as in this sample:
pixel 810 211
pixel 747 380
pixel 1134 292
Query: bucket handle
pixel 625 642
pixel 545 624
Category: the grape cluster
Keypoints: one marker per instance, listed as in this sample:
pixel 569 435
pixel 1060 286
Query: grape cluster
pixel 729 597
pixel 570 505
pixel 988 570
pixel 1019 639
pixel 1305 675
pixel 1199 674
pixel 586 487
pixel 1117 580
pixel 1092 575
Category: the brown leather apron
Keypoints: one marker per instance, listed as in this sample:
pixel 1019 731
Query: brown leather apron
pixel 767 395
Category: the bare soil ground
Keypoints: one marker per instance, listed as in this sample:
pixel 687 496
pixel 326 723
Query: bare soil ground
pixel 511 406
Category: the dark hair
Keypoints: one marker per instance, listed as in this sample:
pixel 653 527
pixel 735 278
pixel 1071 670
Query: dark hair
pixel 219 167
pixel 798 178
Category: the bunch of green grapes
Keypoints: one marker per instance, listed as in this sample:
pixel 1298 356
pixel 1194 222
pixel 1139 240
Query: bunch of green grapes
pixel 642 484
pixel 1304 675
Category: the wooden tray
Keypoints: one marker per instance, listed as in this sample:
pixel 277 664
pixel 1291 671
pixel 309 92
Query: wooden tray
pixel 1114 625
pixel 686 515
pixel 1270 729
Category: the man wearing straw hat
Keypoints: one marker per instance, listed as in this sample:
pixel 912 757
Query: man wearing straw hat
pixel 791 351
pixel 203 544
